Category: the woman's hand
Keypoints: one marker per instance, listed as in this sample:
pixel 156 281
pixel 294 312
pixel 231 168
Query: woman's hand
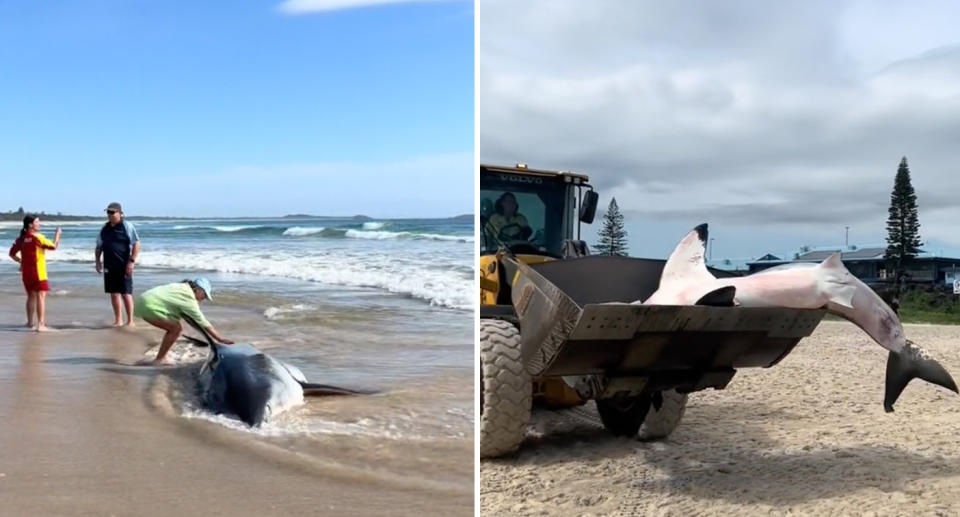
pixel 226 341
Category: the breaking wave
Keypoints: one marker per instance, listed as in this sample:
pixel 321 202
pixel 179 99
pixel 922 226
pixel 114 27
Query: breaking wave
pixel 299 231
pixel 224 228
pixel 450 287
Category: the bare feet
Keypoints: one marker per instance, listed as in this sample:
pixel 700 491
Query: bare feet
pixel 42 328
pixel 130 325
pixel 29 325
pixel 117 324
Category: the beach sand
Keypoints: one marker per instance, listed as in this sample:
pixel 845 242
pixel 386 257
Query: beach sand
pixel 806 437
pixel 84 433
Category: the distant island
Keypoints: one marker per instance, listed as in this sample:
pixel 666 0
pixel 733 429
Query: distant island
pixel 59 216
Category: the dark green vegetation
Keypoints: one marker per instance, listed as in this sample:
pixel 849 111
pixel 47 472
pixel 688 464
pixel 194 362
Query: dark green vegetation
pixel 903 227
pixel 939 306
pixel 613 237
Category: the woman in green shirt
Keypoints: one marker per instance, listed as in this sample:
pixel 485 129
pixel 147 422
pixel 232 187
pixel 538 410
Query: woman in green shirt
pixel 164 305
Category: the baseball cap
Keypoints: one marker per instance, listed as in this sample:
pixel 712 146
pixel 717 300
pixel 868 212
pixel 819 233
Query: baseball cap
pixel 204 284
pixel 115 206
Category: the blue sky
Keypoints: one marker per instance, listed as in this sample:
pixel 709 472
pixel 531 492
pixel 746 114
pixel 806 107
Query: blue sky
pixel 330 107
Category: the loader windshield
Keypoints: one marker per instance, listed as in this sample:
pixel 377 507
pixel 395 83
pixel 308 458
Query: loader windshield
pixel 524 213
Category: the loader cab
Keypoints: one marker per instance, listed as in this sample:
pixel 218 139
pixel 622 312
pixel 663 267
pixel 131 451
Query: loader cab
pixel 532 212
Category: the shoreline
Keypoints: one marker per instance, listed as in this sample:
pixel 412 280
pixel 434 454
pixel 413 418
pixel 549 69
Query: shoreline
pixel 88 434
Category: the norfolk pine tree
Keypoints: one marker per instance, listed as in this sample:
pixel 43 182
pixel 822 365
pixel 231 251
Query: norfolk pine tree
pixel 613 237
pixel 903 228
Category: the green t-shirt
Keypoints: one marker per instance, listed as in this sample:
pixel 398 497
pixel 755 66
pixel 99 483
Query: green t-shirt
pixel 170 302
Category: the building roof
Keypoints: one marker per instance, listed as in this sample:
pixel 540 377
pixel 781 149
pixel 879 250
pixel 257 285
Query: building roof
pixel 734 264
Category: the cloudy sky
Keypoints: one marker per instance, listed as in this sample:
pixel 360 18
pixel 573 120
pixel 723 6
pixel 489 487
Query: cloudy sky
pixel 220 108
pixel 779 125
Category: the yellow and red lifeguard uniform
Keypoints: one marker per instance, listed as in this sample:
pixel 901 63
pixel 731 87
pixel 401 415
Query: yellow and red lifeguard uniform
pixel 33 264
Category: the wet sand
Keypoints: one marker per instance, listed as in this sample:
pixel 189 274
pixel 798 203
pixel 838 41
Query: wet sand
pixel 84 433
pixel 807 437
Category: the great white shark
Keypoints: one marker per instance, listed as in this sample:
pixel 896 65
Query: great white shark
pixel 686 281
pixel 241 380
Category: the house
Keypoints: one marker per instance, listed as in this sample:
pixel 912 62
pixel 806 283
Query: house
pixel 739 266
pixel 868 264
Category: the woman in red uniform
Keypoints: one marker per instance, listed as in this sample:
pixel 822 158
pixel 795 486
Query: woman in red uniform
pixel 31 246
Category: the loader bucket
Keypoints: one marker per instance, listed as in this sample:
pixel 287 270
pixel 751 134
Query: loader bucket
pixel 574 320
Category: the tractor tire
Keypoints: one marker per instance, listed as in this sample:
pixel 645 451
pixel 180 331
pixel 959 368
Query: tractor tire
pixel 659 423
pixel 623 416
pixel 506 389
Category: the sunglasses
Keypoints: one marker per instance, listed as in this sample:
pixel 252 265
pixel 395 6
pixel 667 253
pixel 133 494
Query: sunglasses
pixel 111 212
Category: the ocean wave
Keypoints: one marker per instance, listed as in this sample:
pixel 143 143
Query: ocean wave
pixel 374 225
pixel 300 231
pixel 273 312
pixel 404 276
pixel 384 235
pixel 225 228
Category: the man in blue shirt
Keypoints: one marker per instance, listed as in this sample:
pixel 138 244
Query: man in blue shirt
pixel 119 244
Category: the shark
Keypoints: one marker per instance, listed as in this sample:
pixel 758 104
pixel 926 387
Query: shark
pixel 828 285
pixel 240 379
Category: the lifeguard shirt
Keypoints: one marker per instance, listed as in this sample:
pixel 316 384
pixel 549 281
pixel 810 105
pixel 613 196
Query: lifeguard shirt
pixel 32 248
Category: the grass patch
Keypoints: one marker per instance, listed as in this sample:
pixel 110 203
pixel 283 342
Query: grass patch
pixel 940 306
pixel 921 316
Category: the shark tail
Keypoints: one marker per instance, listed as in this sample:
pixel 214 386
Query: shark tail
pixel 911 363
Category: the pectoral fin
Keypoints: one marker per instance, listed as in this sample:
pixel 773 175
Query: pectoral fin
pixel 842 295
pixel 722 297
pixel 319 390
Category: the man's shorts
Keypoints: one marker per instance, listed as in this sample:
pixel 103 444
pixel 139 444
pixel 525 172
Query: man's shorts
pixel 115 280
pixel 35 285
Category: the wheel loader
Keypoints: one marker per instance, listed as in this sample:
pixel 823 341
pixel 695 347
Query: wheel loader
pixel 558 326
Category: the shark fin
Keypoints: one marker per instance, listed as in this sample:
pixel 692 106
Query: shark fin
pixel 722 297
pixel 195 341
pixel 687 262
pixel 203 331
pixel 911 363
pixel 316 390
pixel 838 281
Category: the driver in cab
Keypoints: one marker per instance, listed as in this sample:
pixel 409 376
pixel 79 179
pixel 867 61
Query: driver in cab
pixel 506 222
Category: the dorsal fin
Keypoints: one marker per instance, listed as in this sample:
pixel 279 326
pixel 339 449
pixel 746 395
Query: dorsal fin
pixel 833 261
pixel 686 263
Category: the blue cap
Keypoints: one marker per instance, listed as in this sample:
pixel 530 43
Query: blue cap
pixel 204 284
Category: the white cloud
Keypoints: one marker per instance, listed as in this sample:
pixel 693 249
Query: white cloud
pixel 295 7
pixel 748 115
